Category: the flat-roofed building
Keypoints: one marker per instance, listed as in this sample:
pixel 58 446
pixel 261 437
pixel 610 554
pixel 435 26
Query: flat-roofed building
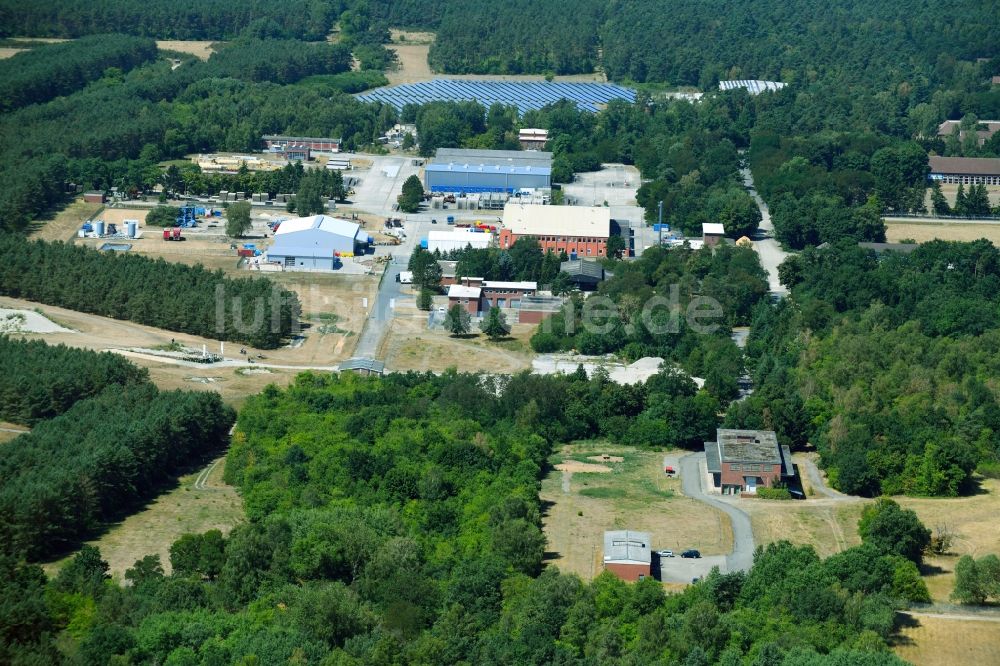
pixel 466 297
pixel 316 242
pixel 579 231
pixel 628 554
pixel 498 294
pixel 278 143
pixel 740 461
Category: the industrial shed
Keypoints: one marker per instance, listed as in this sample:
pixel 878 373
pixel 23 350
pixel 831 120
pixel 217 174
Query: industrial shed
pixel 314 243
pixel 469 171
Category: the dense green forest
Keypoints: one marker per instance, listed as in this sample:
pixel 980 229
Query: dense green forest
pixel 98 460
pixel 168 19
pixel 396 520
pixel 42 73
pixel 885 364
pixel 41 381
pixel 177 297
pixel 653 306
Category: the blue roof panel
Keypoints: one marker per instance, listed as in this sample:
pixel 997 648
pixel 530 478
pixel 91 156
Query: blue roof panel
pixel 525 95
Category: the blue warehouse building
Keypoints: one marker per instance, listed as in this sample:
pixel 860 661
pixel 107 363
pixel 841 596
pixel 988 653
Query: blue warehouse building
pixel 471 171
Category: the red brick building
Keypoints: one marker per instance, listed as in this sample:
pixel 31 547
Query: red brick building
pixel 470 298
pixel 712 233
pixel 740 461
pixel 579 231
pixel 94 197
pixel 506 294
pixel 536 309
pixel 628 554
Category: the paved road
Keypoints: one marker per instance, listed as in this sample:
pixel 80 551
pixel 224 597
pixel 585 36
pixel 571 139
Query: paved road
pixel 743 544
pixel 769 250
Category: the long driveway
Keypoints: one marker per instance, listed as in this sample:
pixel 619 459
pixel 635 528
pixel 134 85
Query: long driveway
pixel 743 544
pixel 768 249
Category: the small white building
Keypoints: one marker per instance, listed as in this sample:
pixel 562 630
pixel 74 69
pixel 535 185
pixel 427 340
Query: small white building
pixel 315 243
pixel 712 233
pixel 458 239
pixel 532 138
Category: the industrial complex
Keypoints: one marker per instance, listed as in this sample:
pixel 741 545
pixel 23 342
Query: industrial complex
pixel 579 231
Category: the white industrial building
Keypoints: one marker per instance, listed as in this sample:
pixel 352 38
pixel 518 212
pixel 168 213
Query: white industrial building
pixel 315 243
pixel 458 239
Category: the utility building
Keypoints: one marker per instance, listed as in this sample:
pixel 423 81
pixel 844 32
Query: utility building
pixel 579 231
pixel 627 554
pixel 316 243
pixel 965 170
pixel 470 171
pixel 740 461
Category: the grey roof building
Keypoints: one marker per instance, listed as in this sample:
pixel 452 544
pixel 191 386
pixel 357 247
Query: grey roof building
pixel 584 273
pixel 743 460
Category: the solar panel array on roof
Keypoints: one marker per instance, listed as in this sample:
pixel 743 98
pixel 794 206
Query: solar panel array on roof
pixel 525 95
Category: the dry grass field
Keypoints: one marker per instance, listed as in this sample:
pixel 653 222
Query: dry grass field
pixel 8 52
pixel 198 49
pixel 921 232
pixel 580 505
pixel 928 640
pixel 62 224
pixel 200 502
pixel 410 346
pixel 827 526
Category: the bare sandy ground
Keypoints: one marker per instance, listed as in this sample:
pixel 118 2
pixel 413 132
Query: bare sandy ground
pixel 579 467
pixel 198 49
pixel 9 53
pixel 28 321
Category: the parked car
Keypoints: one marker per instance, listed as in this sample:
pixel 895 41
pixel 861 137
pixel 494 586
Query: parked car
pixel 691 554
pixel 665 553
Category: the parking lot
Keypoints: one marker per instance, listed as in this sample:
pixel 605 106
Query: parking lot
pixel 684 570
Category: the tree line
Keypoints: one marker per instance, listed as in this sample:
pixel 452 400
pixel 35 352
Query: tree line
pixel 169 19
pixel 39 74
pixel 42 381
pixel 98 459
pixel 176 297
pixel 397 520
pixel 882 362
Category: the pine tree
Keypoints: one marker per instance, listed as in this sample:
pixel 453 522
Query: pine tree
pixel 457 321
pixel 938 202
pixel 961 201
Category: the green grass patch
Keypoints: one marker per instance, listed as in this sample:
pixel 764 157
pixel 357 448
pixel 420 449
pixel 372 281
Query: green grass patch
pixel 603 492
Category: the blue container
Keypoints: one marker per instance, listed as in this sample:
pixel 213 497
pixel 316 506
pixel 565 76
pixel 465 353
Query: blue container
pixel 451 219
pixel 423 243
pixel 99 227
pixel 88 227
pixel 572 255
pixel 199 211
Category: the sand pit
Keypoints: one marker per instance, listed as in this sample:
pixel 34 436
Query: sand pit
pixel 606 458
pixel 27 321
pixel 577 467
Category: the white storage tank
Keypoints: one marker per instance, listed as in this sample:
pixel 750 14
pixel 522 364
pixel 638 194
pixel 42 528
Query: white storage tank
pixel 131 227
pixel 99 228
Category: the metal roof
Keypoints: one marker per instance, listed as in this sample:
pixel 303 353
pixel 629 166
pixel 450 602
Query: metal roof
pixel 511 157
pixel 626 546
pixel 333 225
pixel 583 268
pixel 714 228
pixel 786 457
pixel 537 303
pixel 712 459
pixel 489 168
pixel 369 364
pixel 525 95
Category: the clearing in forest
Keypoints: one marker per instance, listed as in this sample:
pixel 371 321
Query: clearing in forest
pixel 632 494
pixel 200 502
pixel 198 49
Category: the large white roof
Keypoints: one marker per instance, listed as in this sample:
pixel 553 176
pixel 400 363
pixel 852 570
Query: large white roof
pixel 715 228
pixel 333 225
pixel 458 235
pixel 541 220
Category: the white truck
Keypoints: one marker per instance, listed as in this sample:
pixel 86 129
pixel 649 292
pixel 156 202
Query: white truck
pixel 406 277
